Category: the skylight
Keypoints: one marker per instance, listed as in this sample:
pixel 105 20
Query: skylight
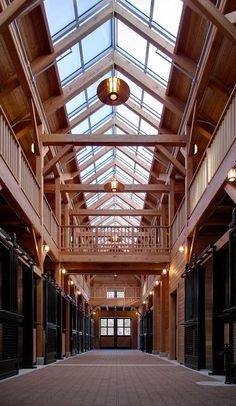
pixel 140 115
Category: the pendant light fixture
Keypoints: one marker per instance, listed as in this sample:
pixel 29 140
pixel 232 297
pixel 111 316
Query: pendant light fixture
pixel 113 91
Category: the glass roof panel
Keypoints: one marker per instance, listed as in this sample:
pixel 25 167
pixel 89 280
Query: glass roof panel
pixel 157 59
pixel 59 14
pixel 96 42
pixel 140 5
pixel 130 46
pixel 163 16
pixel 73 104
pixel 100 115
pixel 69 62
pixel 81 128
pixel 85 5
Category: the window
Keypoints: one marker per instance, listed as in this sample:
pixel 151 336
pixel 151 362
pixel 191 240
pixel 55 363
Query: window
pixel 115 293
pixel 123 327
pixel 107 327
pixel 115 327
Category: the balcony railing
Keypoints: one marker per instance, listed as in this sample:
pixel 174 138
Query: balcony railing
pixel 132 296
pixel 108 240
pixel 15 159
pixel 222 139
pixel 178 223
pixel 17 163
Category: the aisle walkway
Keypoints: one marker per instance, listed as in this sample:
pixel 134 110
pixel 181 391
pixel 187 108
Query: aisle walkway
pixel 115 378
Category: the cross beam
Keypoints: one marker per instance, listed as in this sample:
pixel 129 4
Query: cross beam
pixel 117 140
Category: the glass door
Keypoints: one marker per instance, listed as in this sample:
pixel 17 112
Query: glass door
pixel 115 332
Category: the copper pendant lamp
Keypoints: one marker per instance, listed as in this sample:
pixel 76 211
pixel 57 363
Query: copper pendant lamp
pixel 114 186
pixel 113 91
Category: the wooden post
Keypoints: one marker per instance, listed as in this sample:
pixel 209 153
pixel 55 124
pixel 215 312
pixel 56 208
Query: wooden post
pixel 164 315
pixel 156 320
pixel 67 291
pixel 58 200
pixel 40 344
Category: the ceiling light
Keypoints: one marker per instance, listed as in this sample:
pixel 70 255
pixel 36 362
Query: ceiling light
pixel 114 186
pixel 157 283
pixel 63 270
pixel 231 176
pixel 72 283
pixel 181 248
pixel 113 91
pixel 46 248
pixel 79 293
pixel 195 149
pixel 33 148
pixel 164 271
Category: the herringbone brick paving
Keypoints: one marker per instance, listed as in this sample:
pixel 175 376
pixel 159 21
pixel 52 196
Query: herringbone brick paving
pixel 114 378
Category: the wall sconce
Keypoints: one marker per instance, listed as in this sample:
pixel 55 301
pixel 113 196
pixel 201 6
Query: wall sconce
pixel 231 176
pixel 33 148
pixel 63 271
pixel 157 283
pixel 144 302
pixel 181 248
pixel 164 271
pixel 78 292
pixel 150 293
pixel 195 149
pixel 72 283
pixel 46 248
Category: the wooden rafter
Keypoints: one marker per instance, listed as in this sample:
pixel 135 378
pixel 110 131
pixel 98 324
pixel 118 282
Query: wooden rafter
pixel 154 38
pixel 115 212
pixel 148 84
pixel 14 10
pixel 96 188
pixel 79 84
pixel 167 155
pixel 51 164
pixel 208 10
pixel 117 140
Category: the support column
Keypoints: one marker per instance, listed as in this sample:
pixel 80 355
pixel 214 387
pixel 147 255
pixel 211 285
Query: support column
pixel 67 341
pixel 40 345
pixel 164 315
pixel 156 320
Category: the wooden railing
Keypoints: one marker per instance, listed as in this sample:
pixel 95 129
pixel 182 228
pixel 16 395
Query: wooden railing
pixel 107 240
pixel 50 222
pixel 178 223
pixel 222 139
pixel 132 296
pixel 16 161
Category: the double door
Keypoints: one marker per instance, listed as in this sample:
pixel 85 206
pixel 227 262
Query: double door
pixel 115 333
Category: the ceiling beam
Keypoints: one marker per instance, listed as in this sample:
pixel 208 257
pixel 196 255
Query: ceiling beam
pixel 95 188
pixel 208 10
pixel 166 154
pixel 115 212
pixel 231 191
pixel 148 84
pixel 14 10
pixel 48 167
pixel 154 38
pixel 111 140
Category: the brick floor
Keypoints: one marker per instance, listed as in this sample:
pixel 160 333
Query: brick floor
pixel 115 378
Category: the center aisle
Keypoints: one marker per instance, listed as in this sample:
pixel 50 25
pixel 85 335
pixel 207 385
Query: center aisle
pixel 115 378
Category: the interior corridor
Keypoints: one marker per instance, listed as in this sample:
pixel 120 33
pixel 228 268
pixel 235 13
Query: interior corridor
pixel 115 377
